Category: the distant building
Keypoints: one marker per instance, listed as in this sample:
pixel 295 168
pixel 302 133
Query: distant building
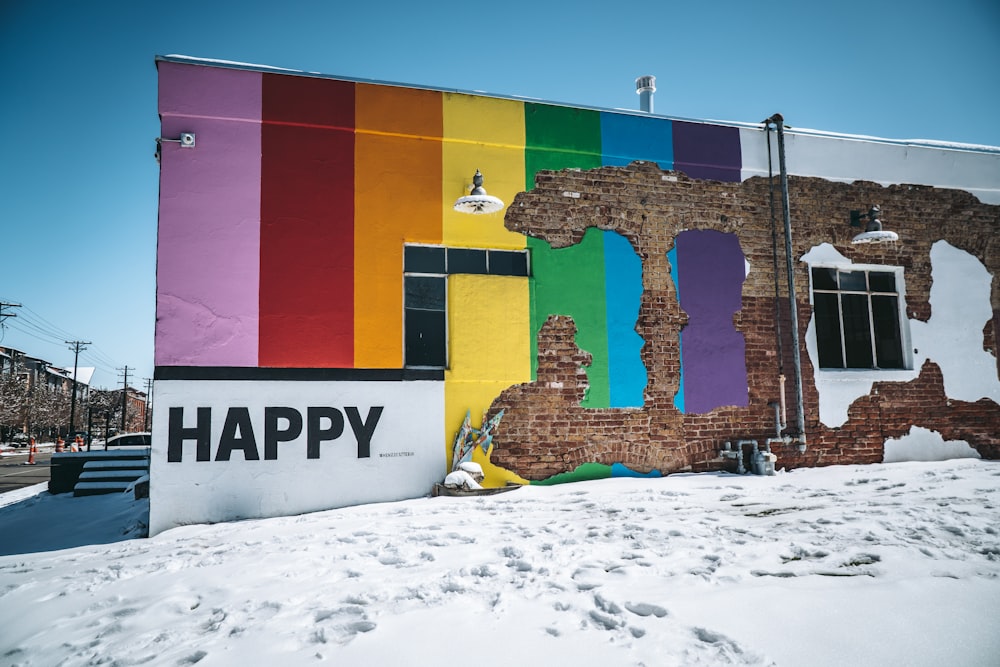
pixel 40 375
pixel 136 413
pixel 327 316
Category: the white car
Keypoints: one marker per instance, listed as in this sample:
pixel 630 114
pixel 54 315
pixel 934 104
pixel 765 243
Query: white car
pixel 129 441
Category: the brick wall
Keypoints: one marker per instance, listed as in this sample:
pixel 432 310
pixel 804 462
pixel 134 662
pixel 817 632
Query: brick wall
pixel 545 431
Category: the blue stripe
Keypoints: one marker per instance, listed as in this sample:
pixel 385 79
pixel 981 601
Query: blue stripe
pixel 626 138
pixel 679 397
pixel 623 293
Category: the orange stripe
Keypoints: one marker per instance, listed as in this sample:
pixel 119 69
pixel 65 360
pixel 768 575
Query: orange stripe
pixel 397 197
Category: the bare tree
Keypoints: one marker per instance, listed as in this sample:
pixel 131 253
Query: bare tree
pixel 13 398
pixel 106 407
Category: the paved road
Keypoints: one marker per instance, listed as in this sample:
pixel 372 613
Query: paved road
pixel 14 474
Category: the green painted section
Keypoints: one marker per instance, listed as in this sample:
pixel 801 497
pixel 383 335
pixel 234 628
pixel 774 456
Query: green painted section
pixel 560 138
pixel 564 138
pixel 570 281
pixel 583 473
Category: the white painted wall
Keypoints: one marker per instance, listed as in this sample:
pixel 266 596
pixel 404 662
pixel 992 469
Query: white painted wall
pixel 952 337
pixel 846 159
pixel 922 444
pixel 406 456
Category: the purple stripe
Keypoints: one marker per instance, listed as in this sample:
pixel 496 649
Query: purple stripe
pixel 711 271
pixel 707 151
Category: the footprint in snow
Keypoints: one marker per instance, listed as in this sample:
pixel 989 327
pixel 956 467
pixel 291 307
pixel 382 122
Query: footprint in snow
pixel 725 650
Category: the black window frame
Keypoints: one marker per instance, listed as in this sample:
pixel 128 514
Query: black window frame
pixel 860 323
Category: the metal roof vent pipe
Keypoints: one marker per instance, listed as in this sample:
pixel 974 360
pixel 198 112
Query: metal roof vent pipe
pixel 645 86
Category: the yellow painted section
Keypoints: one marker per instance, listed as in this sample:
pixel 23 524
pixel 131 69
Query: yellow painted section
pixel 397 186
pixel 494 476
pixel 488 333
pixel 485 134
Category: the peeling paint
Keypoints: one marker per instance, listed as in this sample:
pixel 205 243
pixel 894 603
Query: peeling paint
pixel 952 337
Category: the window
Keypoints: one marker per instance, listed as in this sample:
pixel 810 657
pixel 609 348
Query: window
pixel 425 283
pixel 425 322
pixel 858 318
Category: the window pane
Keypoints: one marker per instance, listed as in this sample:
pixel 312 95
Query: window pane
pixel 857 332
pixel 824 278
pixel 888 346
pixel 466 260
pixel 882 282
pixel 828 331
pixel 853 281
pixel 505 263
pixel 423 259
pixel 425 338
pixel 425 292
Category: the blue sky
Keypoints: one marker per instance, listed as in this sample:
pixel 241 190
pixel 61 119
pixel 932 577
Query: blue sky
pixel 78 182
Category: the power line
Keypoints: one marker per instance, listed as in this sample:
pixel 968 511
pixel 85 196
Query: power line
pixel 50 325
pixel 32 330
pixel 37 327
pixel 101 355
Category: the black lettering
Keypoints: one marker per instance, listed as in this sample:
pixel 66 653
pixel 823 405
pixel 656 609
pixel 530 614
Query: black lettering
pixel 315 434
pixel 237 418
pixel 273 435
pixel 363 431
pixel 201 434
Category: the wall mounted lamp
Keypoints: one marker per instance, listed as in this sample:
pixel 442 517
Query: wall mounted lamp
pixel 477 201
pixel 873 230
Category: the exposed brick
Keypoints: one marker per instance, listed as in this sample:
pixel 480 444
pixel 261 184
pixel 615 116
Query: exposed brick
pixel 545 431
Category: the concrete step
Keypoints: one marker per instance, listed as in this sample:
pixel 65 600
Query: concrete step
pixel 67 467
pixel 99 488
pixel 127 468
pixel 111 475
pixel 114 463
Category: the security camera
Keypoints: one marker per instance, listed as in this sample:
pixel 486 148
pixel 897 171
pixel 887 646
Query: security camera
pixel 187 139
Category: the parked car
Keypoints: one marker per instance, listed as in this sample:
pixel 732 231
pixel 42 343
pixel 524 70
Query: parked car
pixel 129 441
pixel 20 440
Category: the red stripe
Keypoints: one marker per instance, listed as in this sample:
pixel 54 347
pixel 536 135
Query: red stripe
pixel 307 223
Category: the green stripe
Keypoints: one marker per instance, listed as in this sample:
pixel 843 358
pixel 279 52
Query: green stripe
pixel 560 138
pixel 570 281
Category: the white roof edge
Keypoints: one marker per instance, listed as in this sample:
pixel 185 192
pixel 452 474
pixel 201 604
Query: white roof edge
pixel 924 143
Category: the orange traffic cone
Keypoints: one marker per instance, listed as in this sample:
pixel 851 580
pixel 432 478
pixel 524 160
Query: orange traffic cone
pixel 59 444
pixel 31 452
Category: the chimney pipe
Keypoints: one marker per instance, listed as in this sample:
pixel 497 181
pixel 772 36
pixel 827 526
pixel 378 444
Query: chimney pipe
pixel 645 86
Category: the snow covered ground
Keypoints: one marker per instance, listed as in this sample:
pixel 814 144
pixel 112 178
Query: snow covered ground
pixel 893 564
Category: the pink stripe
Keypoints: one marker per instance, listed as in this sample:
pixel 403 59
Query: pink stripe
pixel 208 252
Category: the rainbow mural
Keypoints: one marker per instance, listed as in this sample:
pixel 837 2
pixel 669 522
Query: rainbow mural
pixel 282 237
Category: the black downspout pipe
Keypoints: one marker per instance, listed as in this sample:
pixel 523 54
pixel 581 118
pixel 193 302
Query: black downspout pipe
pixel 790 267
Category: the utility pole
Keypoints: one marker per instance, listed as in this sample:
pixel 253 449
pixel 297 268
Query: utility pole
pixel 3 316
pixel 124 397
pixel 149 402
pixel 76 346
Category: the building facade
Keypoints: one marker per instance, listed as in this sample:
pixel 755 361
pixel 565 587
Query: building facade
pixel 35 396
pixel 327 321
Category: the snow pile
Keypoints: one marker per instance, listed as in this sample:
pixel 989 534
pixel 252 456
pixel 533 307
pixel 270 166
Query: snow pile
pixel 861 565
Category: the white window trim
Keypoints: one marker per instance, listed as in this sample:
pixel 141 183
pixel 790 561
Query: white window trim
pixel 890 374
